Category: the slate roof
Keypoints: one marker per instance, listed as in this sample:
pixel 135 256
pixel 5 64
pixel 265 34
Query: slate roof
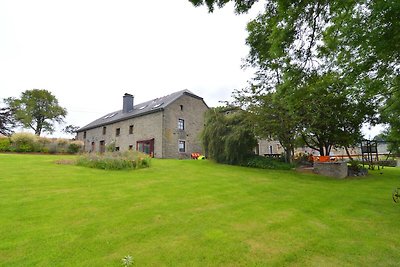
pixel 152 106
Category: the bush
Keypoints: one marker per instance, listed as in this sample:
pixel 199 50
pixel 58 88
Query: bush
pixel 256 161
pixel 24 142
pixel 388 163
pixel 28 142
pixel 115 160
pixel 75 147
pixel 5 144
pixel 110 147
pixel 355 168
pixel 62 145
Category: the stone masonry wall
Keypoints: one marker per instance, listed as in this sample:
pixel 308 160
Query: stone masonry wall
pixel 331 169
pixel 192 113
pixel 144 128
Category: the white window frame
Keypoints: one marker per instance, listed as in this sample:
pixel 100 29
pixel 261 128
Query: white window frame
pixel 184 146
pixel 181 124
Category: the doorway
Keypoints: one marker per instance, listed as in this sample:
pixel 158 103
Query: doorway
pixel 146 146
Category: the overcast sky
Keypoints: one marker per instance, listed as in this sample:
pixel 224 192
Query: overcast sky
pixel 89 53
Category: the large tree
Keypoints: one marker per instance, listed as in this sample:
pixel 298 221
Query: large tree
pixel 37 109
pixel 335 62
pixel 359 40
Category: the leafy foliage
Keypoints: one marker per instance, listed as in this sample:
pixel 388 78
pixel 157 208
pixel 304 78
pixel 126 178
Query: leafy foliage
pixel 71 129
pixel 5 144
pixel 37 109
pixel 240 5
pixel 28 142
pixel 333 62
pixel 6 121
pixel 24 142
pixel 272 119
pixel 115 160
pixel 261 162
pixel 228 135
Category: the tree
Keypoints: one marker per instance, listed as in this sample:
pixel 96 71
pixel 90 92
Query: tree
pixel 6 121
pixel 296 45
pixel 271 118
pixel 240 5
pixel 329 113
pixel 37 109
pixel 228 135
pixel 71 129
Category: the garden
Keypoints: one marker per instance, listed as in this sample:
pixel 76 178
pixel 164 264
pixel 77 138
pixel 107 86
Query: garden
pixel 192 213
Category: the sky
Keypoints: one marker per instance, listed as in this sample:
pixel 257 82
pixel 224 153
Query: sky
pixel 90 53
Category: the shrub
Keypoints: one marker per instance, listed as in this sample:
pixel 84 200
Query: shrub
pixel 115 160
pixel 5 144
pixel 355 168
pixel 62 145
pixel 75 147
pixel 110 147
pixel 41 144
pixel 388 163
pixel 24 142
pixel 261 162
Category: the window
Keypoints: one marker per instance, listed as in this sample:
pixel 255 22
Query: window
pixel 84 135
pixel 181 107
pixel 93 147
pixel 130 129
pixel 104 130
pixel 117 148
pixel 118 131
pixel 146 146
pixel 181 124
pixel 130 147
pixel 158 105
pixel 102 146
pixel 182 146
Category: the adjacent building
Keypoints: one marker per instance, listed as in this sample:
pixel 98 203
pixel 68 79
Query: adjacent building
pixel 165 127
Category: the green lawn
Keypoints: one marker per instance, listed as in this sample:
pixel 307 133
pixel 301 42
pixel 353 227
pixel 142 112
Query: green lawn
pixel 193 213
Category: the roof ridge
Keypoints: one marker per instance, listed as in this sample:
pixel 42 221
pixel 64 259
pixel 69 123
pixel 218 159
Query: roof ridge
pixel 143 108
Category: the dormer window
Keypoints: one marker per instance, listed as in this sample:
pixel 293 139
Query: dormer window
pixel 158 105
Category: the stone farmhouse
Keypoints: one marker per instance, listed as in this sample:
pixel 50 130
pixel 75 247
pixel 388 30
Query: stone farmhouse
pixel 165 127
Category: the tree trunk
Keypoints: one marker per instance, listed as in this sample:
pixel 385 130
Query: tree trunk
pixel 348 153
pixel 321 150
pixel 38 131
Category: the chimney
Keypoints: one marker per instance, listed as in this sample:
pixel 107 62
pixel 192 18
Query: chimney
pixel 127 103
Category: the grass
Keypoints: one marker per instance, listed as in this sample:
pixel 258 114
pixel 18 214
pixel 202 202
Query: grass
pixel 193 213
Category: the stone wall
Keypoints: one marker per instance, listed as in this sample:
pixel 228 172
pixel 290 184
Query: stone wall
pixel 144 128
pixel 331 169
pixel 192 111
pixel 162 126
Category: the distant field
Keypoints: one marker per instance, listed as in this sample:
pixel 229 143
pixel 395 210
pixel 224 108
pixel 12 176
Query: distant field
pixel 193 213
